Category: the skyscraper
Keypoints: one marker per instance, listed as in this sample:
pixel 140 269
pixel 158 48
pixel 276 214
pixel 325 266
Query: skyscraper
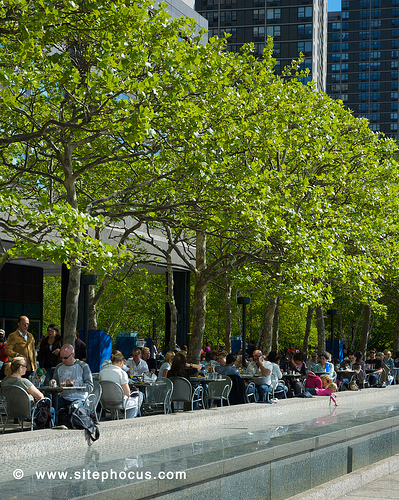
pixel 295 25
pixel 363 48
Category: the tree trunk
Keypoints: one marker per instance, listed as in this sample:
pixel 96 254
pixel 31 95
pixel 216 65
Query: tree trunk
pixel 309 315
pixel 227 310
pixel 172 304
pixel 71 305
pixel 321 333
pixel 396 334
pixel 199 310
pixel 365 328
pixel 92 308
pixel 267 327
pixel 276 326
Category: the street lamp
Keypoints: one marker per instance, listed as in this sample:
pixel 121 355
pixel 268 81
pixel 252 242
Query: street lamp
pixel 244 301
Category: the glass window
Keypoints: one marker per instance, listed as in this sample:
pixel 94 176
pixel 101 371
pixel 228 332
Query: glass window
pixel 273 13
pixel 394 95
pixel 305 12
pixel 394 64
pixel 394 85
pixel 304 29
pixel 364 34
pixel 376 23
pixel 363 66
pixel 336 47
pixel 230 31
pixel 335 26
pixel 345 4
pixel 364 56
pixel 395 12
pixel 259 14
pixel 227 16
pixel 394 116
pixel 273 31
pixel 258 31
pixel 375 127
pixel 394 106
pixel 375 55
pixel 345 15
pixel 395 22
pixel 394 75
pixel 364 24
pixel 394 44
pixel 395 33
pixel 363 45
pixel 306 46
pixel 394 127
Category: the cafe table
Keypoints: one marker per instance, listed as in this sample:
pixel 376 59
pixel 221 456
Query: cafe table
pixel 60 389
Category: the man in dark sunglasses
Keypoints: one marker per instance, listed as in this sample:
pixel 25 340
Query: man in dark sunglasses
pixel 73 376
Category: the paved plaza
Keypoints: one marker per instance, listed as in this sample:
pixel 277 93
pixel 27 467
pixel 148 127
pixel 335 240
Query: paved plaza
pixel 296 448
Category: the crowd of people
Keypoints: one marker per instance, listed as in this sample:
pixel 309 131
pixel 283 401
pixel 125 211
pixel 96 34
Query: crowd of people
pixel 281 375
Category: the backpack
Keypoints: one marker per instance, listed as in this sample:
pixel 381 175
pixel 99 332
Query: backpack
pixel 77 416
pixel 82 418
pixel 43 415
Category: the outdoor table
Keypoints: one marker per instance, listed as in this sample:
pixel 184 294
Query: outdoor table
pixel 60 389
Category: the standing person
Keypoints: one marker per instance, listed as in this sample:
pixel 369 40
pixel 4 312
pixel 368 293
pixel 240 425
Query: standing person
pixel 49 352
pixel 3 347
pixel 22 343
pixel 80 349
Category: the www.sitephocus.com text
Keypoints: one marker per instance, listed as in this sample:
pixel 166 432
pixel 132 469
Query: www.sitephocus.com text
pixel 104 475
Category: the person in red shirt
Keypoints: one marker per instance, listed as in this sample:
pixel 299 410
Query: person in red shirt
pixel 3 347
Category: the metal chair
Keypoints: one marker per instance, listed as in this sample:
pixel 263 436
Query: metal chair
pixel 183 391
pixel 219 390
pixel 93 399
pixel 19 405
pixel 113 398
pixel 252 393
pixel 159 394
pixel 279 391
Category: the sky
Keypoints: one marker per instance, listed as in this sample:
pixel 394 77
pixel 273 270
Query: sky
pixel 334 5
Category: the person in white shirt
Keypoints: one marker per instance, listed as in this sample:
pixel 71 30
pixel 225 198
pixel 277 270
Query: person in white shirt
pixel 263 369
pixel 137 365
pixel 114 373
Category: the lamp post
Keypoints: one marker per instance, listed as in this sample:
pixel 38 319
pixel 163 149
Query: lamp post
pixel 332 313
pixel 244 301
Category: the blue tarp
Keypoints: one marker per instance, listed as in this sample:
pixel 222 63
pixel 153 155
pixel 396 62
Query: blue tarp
pixel 99 348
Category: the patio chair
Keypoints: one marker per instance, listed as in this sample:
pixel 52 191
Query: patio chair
pixel 19 405
pixel 219 390
pixel 281 384
pixel 113 398
pixel 238 393
pixel 159 394
pixel 252 393
pixel 93 399
pixel 183 391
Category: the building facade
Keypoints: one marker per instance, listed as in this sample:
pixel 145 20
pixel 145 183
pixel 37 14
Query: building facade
pixel 295 25
pixel 363 48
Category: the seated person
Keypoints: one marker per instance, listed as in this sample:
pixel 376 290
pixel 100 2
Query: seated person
pixel 14 371
pixel 376 365
pixel 166 365
pixel 297 365
pixel 114 373
pixel 221 360
pixel 135 364
pixel 180 367
pixel 107 362
pixel 262 368
pixel 352 364
pixel 276 375
pixel 390 363
pixel 312 362
pixel 72 372
pixel 151 362
pixel 229 368
pixel 324 364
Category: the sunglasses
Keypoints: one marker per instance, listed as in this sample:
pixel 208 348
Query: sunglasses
pixel 66 357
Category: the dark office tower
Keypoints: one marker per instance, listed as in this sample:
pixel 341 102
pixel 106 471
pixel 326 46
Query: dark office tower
pixel 295 25
pixel 363 45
